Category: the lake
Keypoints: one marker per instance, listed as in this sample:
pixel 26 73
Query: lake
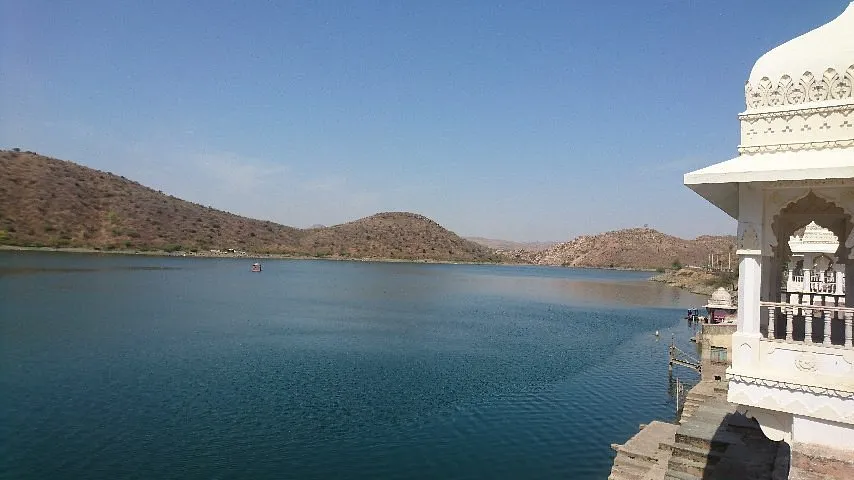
pixel 166 367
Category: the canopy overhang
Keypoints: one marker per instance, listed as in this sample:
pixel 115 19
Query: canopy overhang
pixel 719 183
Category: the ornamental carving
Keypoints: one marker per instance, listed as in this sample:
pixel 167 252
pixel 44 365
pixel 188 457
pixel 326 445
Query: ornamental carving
pixel 806 362
pixel 791 386
pixel 795 147
pixel 830 85
pixel 749 239
pixel 800 113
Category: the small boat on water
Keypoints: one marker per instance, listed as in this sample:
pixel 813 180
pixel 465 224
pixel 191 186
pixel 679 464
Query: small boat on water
pixel 256 267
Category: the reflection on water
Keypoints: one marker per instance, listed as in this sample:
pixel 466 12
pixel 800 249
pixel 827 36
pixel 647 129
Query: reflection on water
pixel 649 294
pixel 624 289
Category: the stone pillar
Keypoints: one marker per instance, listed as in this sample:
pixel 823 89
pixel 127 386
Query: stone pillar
pixel 828 315
pixel 790 320
pixel 849 319
pixel 849 283
pixel 749 289
pixel 746 339
pixel 807 279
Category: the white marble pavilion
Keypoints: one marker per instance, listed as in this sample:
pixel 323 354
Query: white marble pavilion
pixel 793 356
pixel 813 268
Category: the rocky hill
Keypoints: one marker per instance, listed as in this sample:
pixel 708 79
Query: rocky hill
pixel 56 203
pixel 394 235
pixel 642 248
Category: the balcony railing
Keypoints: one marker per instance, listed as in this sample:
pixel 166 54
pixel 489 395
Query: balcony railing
pixel 814 324
pixel 818 285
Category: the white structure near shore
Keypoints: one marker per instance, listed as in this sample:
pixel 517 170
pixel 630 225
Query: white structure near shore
pixel 793 356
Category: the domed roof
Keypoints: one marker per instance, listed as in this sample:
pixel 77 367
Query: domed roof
pixel 720 298
pixel 818 66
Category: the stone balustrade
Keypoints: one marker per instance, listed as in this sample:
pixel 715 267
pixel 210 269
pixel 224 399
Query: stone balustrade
pixel 816 285
pixel 815 324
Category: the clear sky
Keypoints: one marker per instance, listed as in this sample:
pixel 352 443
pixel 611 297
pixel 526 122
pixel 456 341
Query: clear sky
pixel 519 120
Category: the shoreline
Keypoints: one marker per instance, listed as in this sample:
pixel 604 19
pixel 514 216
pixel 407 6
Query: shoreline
pixel 246 255
pixel 279 256
pixel 697 281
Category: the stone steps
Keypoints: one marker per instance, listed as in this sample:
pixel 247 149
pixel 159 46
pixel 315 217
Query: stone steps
pixel 700 438
pixel 630 468
pixel 691 467
pixel 709 426
pixel 711 457
pixel 711 441
pixel 641 458
pixel 669 475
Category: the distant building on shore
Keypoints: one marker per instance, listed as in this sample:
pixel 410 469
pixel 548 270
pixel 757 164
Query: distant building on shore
pixel 791 188
pixel 720 307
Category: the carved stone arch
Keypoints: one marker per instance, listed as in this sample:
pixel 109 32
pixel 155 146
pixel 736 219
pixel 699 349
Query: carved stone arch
pixel 813 207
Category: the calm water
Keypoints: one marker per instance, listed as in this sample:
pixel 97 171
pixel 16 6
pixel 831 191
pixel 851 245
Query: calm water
pixel 138 367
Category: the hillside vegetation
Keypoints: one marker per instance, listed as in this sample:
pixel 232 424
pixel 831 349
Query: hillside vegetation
pixel 642 248
pixel 56 203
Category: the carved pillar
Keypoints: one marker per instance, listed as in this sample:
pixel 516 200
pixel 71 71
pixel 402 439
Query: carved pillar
pixel 827 317
pixel 849 319
pixel 808 325
pixel 807 278
pixel 790 320
pixel 772 320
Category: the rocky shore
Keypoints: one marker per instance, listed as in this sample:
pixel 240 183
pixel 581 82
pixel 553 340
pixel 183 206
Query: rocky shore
pixel 697 280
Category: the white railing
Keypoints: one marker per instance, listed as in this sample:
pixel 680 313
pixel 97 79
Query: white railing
pixel 821 287
pixel 814 324
pixel 796 285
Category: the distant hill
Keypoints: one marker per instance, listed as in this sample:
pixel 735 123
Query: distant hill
pixel 508 245
pixel 56 203
pixel 630 248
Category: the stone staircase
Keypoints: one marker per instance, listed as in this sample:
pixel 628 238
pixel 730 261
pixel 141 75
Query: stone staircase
pixel 698 395
pixel 642 458
pixel 713 441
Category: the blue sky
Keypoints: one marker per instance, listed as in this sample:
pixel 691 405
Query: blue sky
pixel 514 120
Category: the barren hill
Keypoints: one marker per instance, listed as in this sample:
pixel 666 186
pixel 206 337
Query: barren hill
pixel 50 202
pixel 631 248
pixel 394 235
